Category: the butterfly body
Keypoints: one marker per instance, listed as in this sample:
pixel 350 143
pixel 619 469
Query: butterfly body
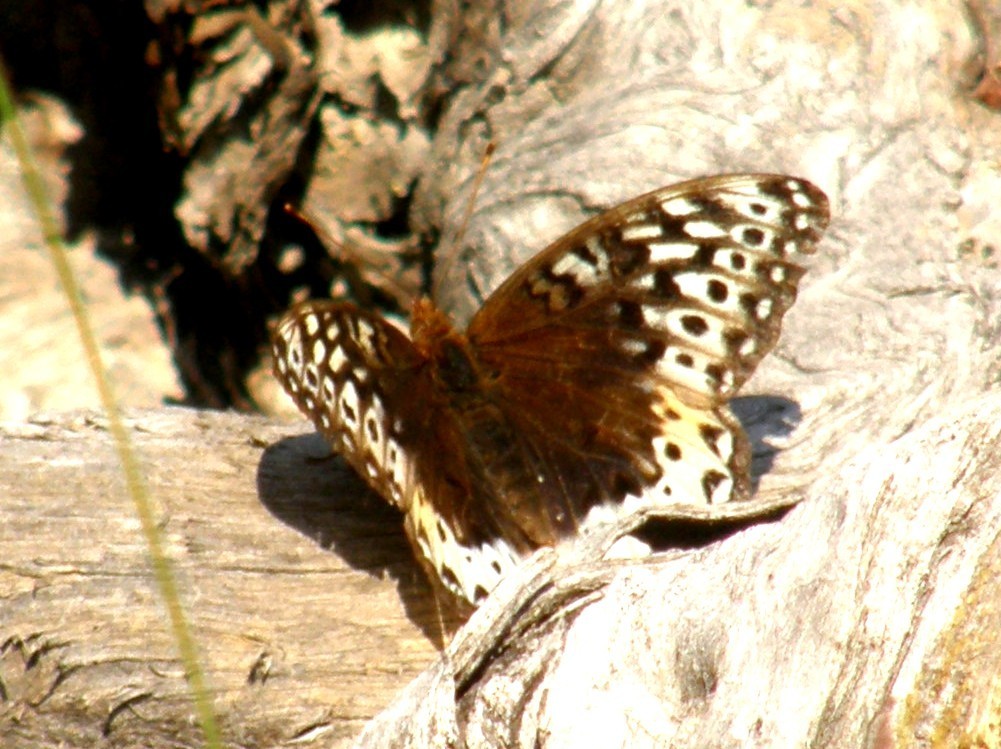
pixel 595 379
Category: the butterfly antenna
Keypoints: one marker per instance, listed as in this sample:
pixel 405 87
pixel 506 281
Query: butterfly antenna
pixel 348 261
pixel 484 163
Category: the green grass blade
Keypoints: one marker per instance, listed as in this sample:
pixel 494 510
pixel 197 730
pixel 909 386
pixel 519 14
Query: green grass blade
pixel 135 484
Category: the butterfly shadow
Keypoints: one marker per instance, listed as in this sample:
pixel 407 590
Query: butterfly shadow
pixel 310 489
pixel 306 487
pixel 765 417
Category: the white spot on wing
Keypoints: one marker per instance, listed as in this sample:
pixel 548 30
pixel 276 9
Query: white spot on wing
pixel 722 491
pixel 693 378
pixel 745 205
pixel 703 229
pixel 337 359
pixel 366 336
pixel 661 252
pixel 728 260
pixel 635 346
pixel 328 391
pixel 646 282
pixel 695 286
pixel 347 406
pixel 319 350
pixel 673 321
pixel 294 353
pixel 374 419
pixel 580 270
pixel 679 207
pixel 641 232
pixel 799 198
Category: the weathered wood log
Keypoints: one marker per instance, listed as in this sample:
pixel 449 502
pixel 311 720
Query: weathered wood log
pixel 300 586
pixel 868 611
pixel 867 616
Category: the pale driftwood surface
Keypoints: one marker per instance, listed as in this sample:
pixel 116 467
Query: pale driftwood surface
pixel 300 586
pixel 869 610
pixel 867 616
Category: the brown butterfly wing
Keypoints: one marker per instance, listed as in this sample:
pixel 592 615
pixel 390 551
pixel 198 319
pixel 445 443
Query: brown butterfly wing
pixel 613 352
pixel 371 393
pixel 351 372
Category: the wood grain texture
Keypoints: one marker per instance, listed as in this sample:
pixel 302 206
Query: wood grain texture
pixel 300 585
pixel 862 618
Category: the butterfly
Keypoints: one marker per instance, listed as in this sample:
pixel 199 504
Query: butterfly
pixel 593 381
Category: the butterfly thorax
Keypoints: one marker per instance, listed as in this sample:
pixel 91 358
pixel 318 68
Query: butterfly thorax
pixel 428 327
pixel 455 371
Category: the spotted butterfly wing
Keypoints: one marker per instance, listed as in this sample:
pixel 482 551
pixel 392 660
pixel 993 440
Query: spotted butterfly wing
pixel 595 380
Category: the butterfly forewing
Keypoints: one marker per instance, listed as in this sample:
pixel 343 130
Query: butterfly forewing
pixel 593 381
pixel 352 373
pixel 706 267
